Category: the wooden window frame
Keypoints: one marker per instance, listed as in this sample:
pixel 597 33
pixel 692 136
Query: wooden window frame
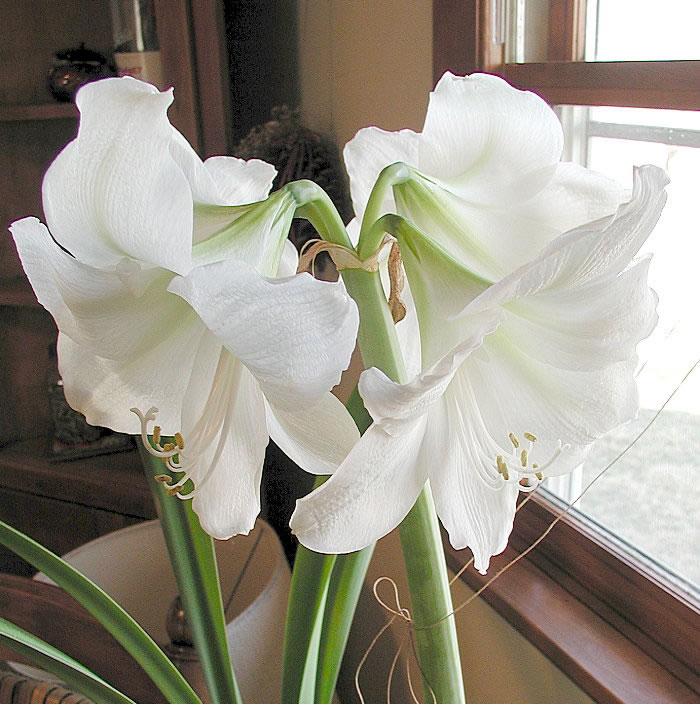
pixel 620 631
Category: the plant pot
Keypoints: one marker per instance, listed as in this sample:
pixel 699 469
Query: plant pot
pixel 132 566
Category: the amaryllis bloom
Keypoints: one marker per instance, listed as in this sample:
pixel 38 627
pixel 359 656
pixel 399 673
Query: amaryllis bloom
pixel 488 183
pixel 525 361
pixel 172 287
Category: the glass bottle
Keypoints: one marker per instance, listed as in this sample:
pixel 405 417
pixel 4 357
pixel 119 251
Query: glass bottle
pixel 136 49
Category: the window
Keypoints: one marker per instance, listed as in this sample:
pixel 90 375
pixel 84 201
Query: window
pixel 624 76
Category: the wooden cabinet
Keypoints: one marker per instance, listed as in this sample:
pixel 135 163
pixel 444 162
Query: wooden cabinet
pixel 64 504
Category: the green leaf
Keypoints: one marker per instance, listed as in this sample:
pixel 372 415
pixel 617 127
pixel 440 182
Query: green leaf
pixel 194 563
pixel 68 670
pixel 122 626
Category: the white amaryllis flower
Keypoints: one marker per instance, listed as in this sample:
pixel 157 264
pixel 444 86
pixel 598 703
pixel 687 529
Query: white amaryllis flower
pixel 172 287
pixel 488 183
pixel 526 359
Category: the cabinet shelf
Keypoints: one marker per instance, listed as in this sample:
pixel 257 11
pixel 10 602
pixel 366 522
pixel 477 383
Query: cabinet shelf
pixel 47 111
pixel 113 482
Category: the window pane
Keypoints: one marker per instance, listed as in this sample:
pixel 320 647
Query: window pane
pixel 615 30
pixel 650 497
pixel 527 23
pixel 642 30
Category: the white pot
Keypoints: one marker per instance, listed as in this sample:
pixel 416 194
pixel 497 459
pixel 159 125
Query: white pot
pixel 132 566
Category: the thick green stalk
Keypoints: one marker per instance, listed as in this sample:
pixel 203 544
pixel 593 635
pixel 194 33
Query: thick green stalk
pixel 431 601
pixel 112 616
pixel 307 597
pixel 322 601
pixel 343 594
pixel 194 563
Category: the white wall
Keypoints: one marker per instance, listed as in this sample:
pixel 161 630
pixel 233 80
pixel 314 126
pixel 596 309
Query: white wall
pixel 499 665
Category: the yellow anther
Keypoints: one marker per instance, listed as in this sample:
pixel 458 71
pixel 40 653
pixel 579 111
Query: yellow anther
pixel 179 441
pixel 506 476
pixel 514 440
pixel 539 475
pixel 535 466
pixel 501 465
pixel 168 446
pixel 156 435
pixel 172 490
pixel 523 458
pixel 530 437
pixel 163 478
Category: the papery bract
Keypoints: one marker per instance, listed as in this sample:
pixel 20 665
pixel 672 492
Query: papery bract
pixel 528 352
pixel 161 272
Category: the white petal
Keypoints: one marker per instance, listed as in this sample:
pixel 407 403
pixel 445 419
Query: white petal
pixel 475 514
pixel 408 332
pixel 36 248
pixel 104 390
pixel 587 327
pixel 397 406
pixel 289 261
pixel 489 140
pixel 239 180
pixel 599 249
pixel 228 502
pixel 92 305
pixel 368 496
pixel 441 288
pixel 296 335
pixel 517 393
pixel 494 241
pixel 367 153
pixel 115 190
pixel 575 196
pixel 222 180
pixel 318 437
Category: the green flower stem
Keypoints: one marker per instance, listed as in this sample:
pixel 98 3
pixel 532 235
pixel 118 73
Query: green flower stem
pixel 343 594
pixel 314 204
pixel 68 670
pixel 307 598
pixel 431 601
pixel 322 601
pixel 194 563
pixel 112 616
pixel 370 238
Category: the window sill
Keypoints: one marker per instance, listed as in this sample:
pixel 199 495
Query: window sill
pixel 556 609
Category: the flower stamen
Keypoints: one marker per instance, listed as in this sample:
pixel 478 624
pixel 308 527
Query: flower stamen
pixel 527 474
pixel 179 441
pixel 166 452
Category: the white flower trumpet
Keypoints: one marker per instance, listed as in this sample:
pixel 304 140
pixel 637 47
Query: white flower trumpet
pixel 172 287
